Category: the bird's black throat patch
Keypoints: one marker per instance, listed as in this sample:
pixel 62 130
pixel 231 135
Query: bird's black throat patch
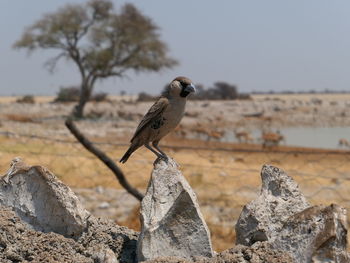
pixel 158 123
pixel 184 93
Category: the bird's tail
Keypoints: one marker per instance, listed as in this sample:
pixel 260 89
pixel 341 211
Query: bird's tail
pixel 126 156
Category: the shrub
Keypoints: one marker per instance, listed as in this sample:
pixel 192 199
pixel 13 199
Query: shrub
pixel 72 94
pixel 225 91
pixel 220 91
pixel 244 96
pixel 143 96
pixel 99 97
pixel 68 94
pixel 26 99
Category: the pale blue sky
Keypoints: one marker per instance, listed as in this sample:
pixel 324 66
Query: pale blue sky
pixel 257 45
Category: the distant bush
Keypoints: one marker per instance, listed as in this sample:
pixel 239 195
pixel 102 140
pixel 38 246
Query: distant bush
pixel 244 96
pixel 220 91
pixel 143 96
pixel 26 99
pixel 68 94
pixel 99 97
pixel 72 94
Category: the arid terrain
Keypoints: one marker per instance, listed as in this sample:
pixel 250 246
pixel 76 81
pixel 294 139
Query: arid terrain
pixel 221 166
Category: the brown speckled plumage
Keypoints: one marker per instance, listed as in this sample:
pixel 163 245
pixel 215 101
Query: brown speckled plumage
pixel 164 115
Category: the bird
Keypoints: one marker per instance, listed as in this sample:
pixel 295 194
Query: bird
pixel 163 117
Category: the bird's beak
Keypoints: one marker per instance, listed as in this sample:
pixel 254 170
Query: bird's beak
pixel 190 88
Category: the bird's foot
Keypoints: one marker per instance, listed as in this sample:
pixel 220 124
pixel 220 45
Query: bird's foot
pixel 165 158
pixel 161 158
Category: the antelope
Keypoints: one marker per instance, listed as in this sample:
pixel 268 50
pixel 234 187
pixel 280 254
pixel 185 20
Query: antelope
pixel 344 142
pixel 272 139
pixel 216 134
pixel 243 136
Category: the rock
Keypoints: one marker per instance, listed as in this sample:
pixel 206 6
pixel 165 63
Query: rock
pixel 104 255
pixel 317 234
pixel 263 218
pixel 18 243
pixel 104 234
pixel 45 204
pixel 104 205
pixel 102 241
pixel 260 252
pixel 282 217
pixel 41 200
pixel 171 222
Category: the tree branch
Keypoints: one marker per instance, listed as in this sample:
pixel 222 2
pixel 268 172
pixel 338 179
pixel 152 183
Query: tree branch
pixel 109 74
pixel 104 158
pixel 50 64
pixel 75 55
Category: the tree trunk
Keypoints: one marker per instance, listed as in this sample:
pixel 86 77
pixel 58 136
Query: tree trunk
pixel 85 92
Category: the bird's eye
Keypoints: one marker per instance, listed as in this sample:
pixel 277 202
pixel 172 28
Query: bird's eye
pixel 183 84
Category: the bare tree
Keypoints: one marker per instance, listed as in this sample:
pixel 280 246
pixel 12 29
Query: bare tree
pixel 99 41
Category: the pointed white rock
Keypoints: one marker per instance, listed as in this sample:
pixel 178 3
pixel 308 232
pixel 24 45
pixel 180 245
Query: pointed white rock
pixel 41 200
pixel 172 224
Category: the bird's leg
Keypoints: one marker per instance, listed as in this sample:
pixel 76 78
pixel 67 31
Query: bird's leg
pixel 159 155
pixel 155 145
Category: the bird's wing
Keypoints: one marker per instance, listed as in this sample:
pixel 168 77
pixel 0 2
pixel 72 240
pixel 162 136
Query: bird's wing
pixel 153 113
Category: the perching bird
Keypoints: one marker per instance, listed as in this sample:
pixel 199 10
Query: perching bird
pixel 161 118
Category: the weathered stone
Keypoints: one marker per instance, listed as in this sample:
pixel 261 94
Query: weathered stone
pixel 260 252
pixel 317 234
pixel 102 233
pixel 41 200
pixel 102 241
pixel 263 218
pixel 172 224
pixel 282 217
pixel 18 243
pixel 104 255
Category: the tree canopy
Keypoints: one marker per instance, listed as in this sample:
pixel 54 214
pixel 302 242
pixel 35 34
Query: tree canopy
pixel 100 41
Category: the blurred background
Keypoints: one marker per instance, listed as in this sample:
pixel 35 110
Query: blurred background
pixel 272 84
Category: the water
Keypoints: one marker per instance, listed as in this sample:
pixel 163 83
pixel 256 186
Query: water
pixel 322 137
pixel 325 137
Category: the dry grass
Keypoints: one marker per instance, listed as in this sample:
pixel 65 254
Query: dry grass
pixel 38 99
pixel 133 221
pixel 21 118
pixel 47 99
pixel 222 237
pixel 304 97
pixel 223 177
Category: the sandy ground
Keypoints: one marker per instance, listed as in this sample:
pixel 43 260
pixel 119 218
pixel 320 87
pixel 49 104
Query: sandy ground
pixel 225 176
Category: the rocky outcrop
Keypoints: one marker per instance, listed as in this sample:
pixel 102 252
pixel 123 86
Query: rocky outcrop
pixel 39 215
pixel 19 243
pixel 263 218
pixel 260 252
pixel 281 216
pixel 41 220
pixel 42 201
pixel 102 242
pixel 317 234
pixel 172 224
